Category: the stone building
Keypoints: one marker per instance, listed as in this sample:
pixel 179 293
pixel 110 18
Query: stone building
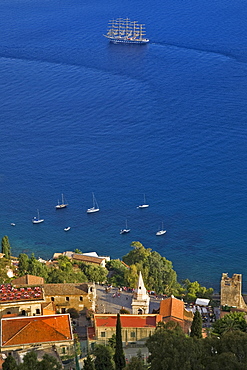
pixel 64 296
pixel 231 291
pixel 135 328
pixel 140 301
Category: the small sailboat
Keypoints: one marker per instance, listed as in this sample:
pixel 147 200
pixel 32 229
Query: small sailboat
pixel 126 230
pixel 67 228
pixel 61 205
pixel 161 231
pixel 37 220
pixel 144 205
pixel 95 207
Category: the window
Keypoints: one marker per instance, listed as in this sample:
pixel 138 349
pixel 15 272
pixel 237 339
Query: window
pixel 81 299
pixel 8 313
pixel 52 299
pixel 133 334
pixel 63 310
pixel 102 334
pixel 67 299
pixel 37 311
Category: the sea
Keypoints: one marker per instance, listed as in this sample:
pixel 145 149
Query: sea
pixel 79 115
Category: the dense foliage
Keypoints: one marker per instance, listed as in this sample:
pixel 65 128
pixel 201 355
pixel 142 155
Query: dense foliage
pixel 231 322
pixel 6 250
pixel 170 348
pixel 103 358
pixel 189 291
pixel 30 362
pixel 157 271
pixel 65 271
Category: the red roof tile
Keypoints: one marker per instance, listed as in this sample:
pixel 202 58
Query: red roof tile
pixel 172 307
pixel 38 329
pixel 127 321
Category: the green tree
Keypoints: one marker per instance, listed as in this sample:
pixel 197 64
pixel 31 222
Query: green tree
pixel 157 271
pixel 49 362
pixel 88 363
pixel 103 358
pixel 196 327
pixel 23 264
pixel 192 290
pixel 36 268
pixel 169 348
pixel 112 341
pixel 96 274
pixel 74 313
pixel 30 362
pixel 135 363
pixel 6 247
pixel 233 321
pixel 9 363
pixel 119 357
pixel 131 276
pixel 78 251
pixel 116 273
pixel 64 264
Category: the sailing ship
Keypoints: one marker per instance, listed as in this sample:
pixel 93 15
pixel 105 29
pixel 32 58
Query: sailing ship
pixel 37 220
pixel 126 230
pixel 161 231
pixel 95 207
pixel 144 205
pixel 61 205
pixel 124 31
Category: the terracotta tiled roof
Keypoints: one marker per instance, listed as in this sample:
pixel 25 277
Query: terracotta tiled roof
pixel 65 289
pixel 28 280
pixel 127 321
pixel 35 329
pixel 172 307
pixel 87 259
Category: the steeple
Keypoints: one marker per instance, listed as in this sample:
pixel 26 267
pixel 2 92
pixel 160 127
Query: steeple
pixel 140 301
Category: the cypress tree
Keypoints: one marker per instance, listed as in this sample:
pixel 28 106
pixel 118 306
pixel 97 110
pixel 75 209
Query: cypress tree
pixel 196 327
pixel 6 246
pixel 119 357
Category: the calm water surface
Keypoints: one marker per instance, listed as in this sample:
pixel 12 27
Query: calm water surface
pixel 79 115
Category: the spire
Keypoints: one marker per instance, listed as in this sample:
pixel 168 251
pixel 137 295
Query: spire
pixel 140 302
pixel 140 291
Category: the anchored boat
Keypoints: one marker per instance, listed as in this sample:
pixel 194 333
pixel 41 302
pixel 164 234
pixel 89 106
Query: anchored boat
pixel 124 31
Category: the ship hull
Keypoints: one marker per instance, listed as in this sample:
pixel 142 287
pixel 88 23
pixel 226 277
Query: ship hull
pixel 119 41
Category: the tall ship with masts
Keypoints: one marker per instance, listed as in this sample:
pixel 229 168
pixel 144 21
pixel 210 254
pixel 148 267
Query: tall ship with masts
pixel 125 31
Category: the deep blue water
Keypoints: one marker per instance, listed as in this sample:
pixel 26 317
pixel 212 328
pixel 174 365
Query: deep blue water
pixel 79 115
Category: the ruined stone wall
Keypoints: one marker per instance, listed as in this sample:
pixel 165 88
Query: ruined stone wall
pixel 231 291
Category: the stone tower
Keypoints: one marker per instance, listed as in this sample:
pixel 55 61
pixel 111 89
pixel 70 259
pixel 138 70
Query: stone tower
pixel 231 291
pixel 140 301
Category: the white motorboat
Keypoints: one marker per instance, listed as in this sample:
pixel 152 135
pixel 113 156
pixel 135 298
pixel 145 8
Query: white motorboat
pixel 12 224
pixel 161 231
pixel 95 207
pixel 37 220
pixel 61 205
pixel 126 230
pixel 144 205
pixel 67 228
